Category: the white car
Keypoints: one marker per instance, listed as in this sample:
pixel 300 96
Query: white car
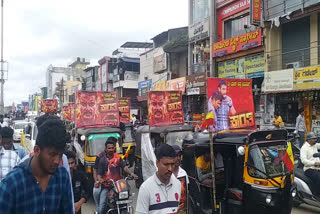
pixel 18 127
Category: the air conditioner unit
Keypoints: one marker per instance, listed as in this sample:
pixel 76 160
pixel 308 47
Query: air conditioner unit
pixel 294 65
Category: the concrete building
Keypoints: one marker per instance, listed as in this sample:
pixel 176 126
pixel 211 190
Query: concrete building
pixel 292 68
pixel 91 77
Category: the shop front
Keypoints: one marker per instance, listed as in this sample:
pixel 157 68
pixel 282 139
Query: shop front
pixel 196 94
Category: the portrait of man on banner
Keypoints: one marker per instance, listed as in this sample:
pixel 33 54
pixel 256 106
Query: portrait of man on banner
pixel 86 108
pixel 157 108
pixel 231 101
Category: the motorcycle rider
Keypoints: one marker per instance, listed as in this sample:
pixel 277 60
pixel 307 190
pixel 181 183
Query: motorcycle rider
pixel 109 167
pixel 311 164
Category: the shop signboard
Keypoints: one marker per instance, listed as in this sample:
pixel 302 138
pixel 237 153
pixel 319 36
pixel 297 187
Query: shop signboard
pixel 124 110
pixel 238 43
pixel 255 12
pixel 234 8
pixel 199 31
pixel 160 85
pixel 49 105
pixel 165 108
pixel 316 127
pixel 277 81
pixel 232 105
pixel 159 60
pixel 306 78
pixel 144 87
pixel 196 84
pixel 96 109
pixel 254 66
pixel 178 84
pixel 221 3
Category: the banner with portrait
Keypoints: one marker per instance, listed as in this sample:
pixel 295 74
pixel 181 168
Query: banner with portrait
pixel 96 109
pixel 68 112
pixel 183 204
pixel 165 108
pixel 49 105
pixel 124 109
pixel 231 101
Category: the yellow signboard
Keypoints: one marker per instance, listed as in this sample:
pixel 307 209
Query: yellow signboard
pixel 227 69
pixel 159 86
pixel 307 78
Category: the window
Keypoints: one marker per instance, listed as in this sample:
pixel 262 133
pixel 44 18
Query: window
pixel 235 27
pixel 200 10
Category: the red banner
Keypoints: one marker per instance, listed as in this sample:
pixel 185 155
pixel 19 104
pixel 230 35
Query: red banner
pixel 255 12
pixel 231 100
pixel 97 109
pixel 238 43
pixel 165 108
pixel 124 109
pixel 49 105
pixel 68 112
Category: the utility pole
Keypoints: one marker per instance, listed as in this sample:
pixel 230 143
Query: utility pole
pixel 2 71
pixel 213 36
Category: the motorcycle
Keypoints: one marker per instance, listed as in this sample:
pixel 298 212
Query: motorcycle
pixel 305 187
pixel 118 196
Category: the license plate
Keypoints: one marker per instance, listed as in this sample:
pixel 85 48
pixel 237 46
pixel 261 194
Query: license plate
pixel 124 202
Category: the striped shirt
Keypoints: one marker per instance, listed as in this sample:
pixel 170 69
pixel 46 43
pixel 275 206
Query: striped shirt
pixel 157 198
pixel 8 160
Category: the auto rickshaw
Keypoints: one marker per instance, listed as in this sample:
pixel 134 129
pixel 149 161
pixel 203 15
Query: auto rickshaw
pixel 255 177
pixel 92 141
pixel 171 135
pixel 129 142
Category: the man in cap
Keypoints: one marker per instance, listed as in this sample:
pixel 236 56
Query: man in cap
pixel 311 164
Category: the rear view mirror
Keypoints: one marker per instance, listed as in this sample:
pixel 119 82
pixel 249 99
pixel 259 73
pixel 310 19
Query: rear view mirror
pixel 28 136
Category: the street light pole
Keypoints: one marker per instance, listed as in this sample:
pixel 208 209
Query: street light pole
pixel 2 71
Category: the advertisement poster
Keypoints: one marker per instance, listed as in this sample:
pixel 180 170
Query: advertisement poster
pixel 178 84
pixel 231 101
pixel 96 109
pixel 49 105
pixel 68 112
pixel 199 118
pixel 124 110
pixel 306 78
pixel 255 12
pixel 238 43
pixel 183 205
pixel 165 108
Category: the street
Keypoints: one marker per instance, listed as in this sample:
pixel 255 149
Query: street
pixel 89 207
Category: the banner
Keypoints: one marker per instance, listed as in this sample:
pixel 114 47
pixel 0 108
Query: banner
pixel 159 86
pixel 306 78
pixel 183 204
pixel 124 109
pixel 238 43
pixel 96 108
pixel 68 112
pixel 255 12
pixel 165 108
pixel 231 100
pixel 276 81
pixel 49 105
pixel 178 84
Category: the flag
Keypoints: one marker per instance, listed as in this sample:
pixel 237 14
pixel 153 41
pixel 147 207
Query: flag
pixel 288 158
pixel 208 121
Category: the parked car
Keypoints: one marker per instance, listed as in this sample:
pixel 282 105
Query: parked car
pixel 18 127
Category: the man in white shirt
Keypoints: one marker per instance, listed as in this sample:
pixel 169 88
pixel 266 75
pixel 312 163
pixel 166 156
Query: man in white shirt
pixel 311 164
pixel 178 171
pixel 161 192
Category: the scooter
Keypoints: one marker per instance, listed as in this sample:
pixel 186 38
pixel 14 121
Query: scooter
pixel 118 196
pixel 305 187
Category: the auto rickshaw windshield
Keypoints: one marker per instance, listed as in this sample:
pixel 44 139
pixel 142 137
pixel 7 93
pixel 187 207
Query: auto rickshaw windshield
pixel 267 160
pixel 96 143
pixel 128 138
pixel 176 138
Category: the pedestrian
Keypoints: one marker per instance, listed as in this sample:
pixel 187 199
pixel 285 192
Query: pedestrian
pixel 178 171
pixel 7 142
pixel 79 183
pixel 161 192
pixel 97 185
pixel 39 184
pixel 8 160
pixel 277 121
pixel 189 117
pixel 110 167
pixel 301 128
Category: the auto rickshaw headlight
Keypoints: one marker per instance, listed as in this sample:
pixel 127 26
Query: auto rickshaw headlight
pixel 268 199
pixel 83 138
pixel 241 150
pixel 294 193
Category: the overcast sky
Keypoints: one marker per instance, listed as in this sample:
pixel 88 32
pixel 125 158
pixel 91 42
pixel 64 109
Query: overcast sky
pixel 38 33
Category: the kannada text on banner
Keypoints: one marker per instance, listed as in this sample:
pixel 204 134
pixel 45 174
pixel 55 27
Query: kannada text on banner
pixel 49 106
pixel 96 108
pixel 231 100
pixel 124 110
pixel 165 108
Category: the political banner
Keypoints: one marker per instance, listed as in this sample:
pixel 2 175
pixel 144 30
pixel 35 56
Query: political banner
pixel 68 112
pixel 165 108
pixel 124 110
pixel 183 204
pixel 231 101
pixel 49 105
pixel 96 109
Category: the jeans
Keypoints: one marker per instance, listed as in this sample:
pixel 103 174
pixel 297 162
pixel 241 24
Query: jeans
pixel 103 201
pixel 301 138
pixel 96 196
pixel 314 175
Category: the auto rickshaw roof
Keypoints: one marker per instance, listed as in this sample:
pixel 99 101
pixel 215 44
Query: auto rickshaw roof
pixel 164 129
pixel 101 130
